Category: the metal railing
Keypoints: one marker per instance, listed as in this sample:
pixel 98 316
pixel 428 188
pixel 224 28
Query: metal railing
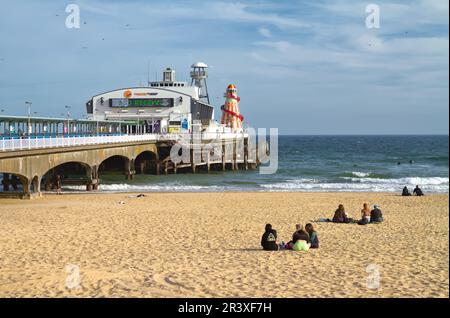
pixel 68 141
pixel 56 142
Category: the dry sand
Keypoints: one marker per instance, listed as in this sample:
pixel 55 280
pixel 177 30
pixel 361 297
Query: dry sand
pixel 207 245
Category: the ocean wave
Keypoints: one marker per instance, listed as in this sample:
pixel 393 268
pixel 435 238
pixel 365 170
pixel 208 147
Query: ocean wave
pixel 123 187
pixel 360 174
pixel 350 184
pixel 422 181
pixel 430 185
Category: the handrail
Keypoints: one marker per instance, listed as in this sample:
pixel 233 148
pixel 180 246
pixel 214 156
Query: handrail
pixel 69 141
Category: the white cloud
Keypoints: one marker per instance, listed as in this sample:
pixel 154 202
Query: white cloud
pixel 265 32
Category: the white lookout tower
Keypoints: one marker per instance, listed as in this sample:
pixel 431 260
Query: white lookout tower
pixel 199 74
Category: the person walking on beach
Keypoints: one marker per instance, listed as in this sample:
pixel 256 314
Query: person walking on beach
pixel 312 235
pixel 269 239
pixel 375 215
pixel 58 184
pixel 365 215
pixel 340 216
pixel 418 191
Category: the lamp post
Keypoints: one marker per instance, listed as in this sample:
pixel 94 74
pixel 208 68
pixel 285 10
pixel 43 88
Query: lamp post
pixel 138 116
pixel 68 119
pixel 4 124
pixel 122 111
pixel 29 117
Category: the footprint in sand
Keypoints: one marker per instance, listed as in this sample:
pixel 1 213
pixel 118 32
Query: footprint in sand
pixel 169 283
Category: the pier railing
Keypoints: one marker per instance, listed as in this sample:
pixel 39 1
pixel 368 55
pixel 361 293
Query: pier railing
pixel 73 141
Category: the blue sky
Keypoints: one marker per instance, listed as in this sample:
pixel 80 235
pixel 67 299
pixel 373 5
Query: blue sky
pixel 305 67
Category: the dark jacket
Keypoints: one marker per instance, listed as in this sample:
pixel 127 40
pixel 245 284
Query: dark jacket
pixel 340 217
pixel 376 215
pixel 300 235
pixel 418 192
pixel 269 241
pixel 405 192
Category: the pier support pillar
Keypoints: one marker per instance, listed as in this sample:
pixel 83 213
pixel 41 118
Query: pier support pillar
pixel 223 157
pixel 234 160
pixel 166 168
pixel 175 169
pixel 93 179
pixel 129 171
pixel 158 168
pixel 92 185
pixel 246 153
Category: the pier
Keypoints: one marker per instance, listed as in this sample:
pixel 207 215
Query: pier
pixel 29 165
pixel 165 127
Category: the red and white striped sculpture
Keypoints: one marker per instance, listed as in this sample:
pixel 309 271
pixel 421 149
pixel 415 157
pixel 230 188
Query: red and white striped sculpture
pixel 231 116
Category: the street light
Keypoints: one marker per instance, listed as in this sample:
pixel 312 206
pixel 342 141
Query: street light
pixel 138 114
pixel 68 119
pixel 122 111
pixel 4 124
pixel 29 117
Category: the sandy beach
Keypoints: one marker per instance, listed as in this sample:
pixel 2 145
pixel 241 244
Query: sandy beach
pixel 208 245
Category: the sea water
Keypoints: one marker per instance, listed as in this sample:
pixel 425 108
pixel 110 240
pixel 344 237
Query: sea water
pixel 319 163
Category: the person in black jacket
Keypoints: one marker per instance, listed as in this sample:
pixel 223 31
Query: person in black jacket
pixel 300 234
pixel 269 239
pixel 375 215
pixel 418 191
pixel 405 192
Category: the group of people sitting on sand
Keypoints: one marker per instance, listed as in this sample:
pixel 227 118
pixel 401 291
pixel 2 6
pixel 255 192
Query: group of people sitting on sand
pixel 417 191
pixel 302 239
pixel 367 216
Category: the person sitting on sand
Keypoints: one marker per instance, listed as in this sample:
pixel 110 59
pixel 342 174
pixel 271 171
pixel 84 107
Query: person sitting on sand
pixel 375 215
pixel 300 239
pixel 312 235
pixel 418 191
pixel 406 192
pixel 299 234
pixel 269 239
pixel 340 216
pixel 365 215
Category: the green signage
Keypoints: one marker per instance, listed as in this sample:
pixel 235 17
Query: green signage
pixel 141 102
